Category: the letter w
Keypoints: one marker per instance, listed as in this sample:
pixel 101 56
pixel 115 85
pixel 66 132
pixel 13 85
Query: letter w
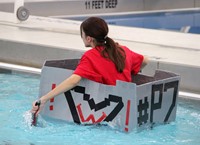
pixel 90 117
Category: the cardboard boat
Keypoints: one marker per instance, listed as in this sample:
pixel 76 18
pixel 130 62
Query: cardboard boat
pixel 127 106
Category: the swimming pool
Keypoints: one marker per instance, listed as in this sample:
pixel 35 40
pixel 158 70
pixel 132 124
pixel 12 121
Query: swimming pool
pixel 19 90
pixel 178 20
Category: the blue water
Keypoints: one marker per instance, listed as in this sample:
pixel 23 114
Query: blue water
pixel 173 21
pixel 17 91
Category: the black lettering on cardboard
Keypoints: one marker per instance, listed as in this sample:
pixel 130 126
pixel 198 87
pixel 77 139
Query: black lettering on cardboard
pixel 154 106
pixel 167 86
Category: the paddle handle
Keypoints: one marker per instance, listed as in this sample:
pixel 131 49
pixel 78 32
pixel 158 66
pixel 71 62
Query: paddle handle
pixel 34 117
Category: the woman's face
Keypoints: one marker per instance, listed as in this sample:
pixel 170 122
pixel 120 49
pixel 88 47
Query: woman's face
pixel 86 39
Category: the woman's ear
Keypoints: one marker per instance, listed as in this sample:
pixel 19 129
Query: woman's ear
pixel 89 39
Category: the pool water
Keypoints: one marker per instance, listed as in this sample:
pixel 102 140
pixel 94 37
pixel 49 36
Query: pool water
pixel 171 20
pixel 17 91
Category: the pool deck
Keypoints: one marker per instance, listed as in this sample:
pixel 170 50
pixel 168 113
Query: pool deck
pixel 30 43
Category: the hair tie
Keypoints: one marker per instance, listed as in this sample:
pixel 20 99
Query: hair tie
pixel 105 37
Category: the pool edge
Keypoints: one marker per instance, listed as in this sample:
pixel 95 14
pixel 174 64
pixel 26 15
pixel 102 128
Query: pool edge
pixel 19 68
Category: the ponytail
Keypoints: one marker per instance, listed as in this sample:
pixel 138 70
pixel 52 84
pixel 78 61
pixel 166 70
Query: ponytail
pixel 115 53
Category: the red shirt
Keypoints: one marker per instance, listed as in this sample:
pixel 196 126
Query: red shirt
pixel 95 67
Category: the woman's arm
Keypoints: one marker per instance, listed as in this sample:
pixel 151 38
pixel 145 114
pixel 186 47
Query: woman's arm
pixel 145 62
pixel 66 85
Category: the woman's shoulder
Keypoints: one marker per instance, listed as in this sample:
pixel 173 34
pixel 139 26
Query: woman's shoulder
pixel 91 53
pixel 125 48
pixel 129 52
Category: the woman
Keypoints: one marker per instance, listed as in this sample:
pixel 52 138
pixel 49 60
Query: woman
pixel 105 63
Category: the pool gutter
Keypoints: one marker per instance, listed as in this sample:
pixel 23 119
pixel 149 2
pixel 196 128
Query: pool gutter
pixel 19 68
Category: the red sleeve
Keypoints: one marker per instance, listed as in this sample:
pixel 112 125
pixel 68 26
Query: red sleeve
pixel 137 60
pixel 86 70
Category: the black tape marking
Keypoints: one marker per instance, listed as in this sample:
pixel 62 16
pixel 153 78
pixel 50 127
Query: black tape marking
pixel 93 105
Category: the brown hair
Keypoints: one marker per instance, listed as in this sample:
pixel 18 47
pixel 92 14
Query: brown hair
pixel 98 29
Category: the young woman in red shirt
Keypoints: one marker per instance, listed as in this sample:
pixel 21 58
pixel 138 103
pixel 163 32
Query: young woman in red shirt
pixel 105 63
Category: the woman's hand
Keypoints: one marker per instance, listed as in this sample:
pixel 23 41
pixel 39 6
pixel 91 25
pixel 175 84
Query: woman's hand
pixel 37 106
